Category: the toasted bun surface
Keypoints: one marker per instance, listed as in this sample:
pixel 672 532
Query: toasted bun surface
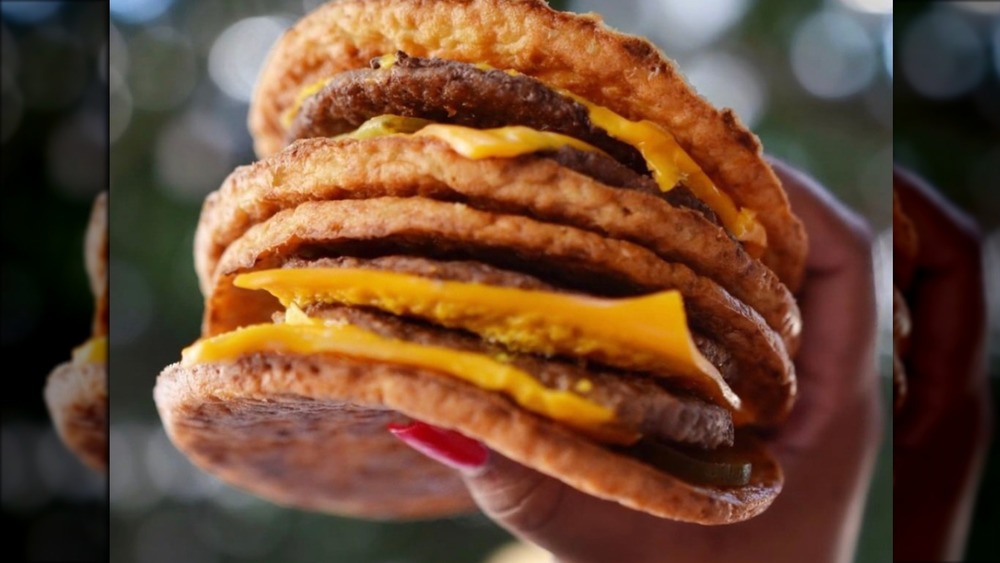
pixel 95 253
pixel 77 398
pixel 574 52
pixel 766 382
pixel 310 431
pixel 327 169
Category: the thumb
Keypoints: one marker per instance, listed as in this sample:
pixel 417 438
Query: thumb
pixel 574 526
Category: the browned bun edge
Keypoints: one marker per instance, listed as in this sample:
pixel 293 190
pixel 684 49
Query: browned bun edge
pixel 575 52
pixel 326 169
pixel 309 431
pixel 95 253
pixel 76 396
pixel 562 255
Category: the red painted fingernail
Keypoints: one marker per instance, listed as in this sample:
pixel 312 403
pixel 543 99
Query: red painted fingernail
pixel 446 446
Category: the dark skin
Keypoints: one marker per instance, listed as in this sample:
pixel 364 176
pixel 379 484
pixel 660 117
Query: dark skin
pixel 827 447
pixel 942 432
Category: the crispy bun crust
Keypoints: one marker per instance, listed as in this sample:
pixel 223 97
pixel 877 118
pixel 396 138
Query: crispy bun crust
pixel 95 254
pixel 77 399
pixel 326 169
pixel 576 52
pixel 766 381
pixel 310 432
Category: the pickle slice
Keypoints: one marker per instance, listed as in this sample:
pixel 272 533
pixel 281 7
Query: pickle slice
pixel 723 467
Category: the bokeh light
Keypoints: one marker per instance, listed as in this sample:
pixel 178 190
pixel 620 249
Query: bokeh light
pixel 161 69
pixel 519 552
pixel 52 128
pixel 121 106
pixel 832 55
pixel 138 11
pixel 131 489
pixel 869 6
pixel 43 49
pixel 678 26
pixel 19 483
pixel 37 469
pixel 29 12
pixel 117 51
pixel 943 55
pixel 990 7
pixel 887 45
pixel 239 52
pixel 62 473
pixel 246 531
pixel 129 323
pixel 731 81
pixel 688 26
pixel 193 154
pixel 158 539
pixel 171 473
pixel 76 155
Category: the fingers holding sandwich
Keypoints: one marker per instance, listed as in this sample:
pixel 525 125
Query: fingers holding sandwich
pixel 838 425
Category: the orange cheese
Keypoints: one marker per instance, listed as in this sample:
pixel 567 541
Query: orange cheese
pixel 93 351
pixel 647 333
pixel 666 159
pixel 671 164
pixel 510 141
pixel 301 335
pixel 307 91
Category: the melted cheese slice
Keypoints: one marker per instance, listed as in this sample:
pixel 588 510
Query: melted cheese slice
pixel 93 351
pixel 671 164
pixel 301 335
pixel 501 142
pixel 646 333
pixel 510 141
pixel 666 159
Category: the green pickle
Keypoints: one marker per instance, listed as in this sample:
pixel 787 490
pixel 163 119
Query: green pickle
pixel 724 467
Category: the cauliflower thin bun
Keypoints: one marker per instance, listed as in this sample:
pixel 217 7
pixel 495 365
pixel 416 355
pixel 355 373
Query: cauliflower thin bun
pixel 504 220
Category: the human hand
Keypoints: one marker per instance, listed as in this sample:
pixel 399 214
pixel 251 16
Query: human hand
pixel 942 430
pixel 827 447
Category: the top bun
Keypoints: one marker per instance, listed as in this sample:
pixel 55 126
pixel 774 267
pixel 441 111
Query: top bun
pixel 624 73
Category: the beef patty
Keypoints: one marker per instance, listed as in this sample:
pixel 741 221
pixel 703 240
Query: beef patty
pixel 450 92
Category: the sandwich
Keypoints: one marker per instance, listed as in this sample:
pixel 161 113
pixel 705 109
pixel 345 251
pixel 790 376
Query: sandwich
pixel 503 220
pixel 76 392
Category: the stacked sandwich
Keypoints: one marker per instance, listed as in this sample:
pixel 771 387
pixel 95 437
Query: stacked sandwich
pixel 499 219
pixel 76 392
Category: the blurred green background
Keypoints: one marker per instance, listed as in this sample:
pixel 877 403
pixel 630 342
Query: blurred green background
pixel 812 78
pixel 53 134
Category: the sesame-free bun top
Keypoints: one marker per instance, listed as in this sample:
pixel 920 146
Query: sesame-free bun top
pixel 578 53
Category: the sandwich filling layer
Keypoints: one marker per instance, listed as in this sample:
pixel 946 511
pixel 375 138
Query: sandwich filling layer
pixel 607 405
pixel 482 98
pixel 754 363
pixel 645 334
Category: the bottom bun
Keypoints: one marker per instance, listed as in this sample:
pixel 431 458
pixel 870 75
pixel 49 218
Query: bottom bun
pixel 77 398
pixel 310 432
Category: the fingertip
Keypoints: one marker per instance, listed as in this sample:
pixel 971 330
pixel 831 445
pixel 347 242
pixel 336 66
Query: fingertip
pixel 449 447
